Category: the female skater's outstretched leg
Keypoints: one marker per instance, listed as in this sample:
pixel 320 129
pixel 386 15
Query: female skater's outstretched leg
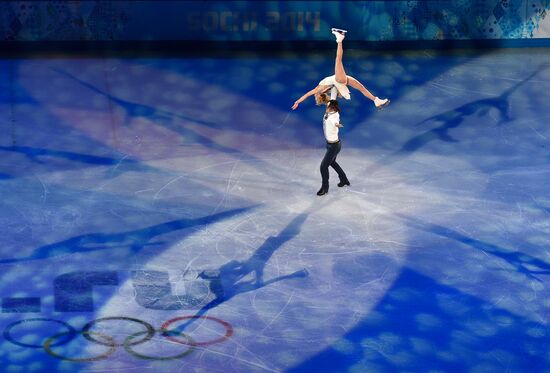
pixel 360 87
pixel 339 72
pixel 378 102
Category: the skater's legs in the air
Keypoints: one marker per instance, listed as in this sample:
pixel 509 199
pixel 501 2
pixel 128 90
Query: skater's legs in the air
pixel 339 72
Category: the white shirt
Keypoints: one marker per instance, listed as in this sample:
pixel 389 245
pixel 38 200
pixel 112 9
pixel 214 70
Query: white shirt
pixel 330 128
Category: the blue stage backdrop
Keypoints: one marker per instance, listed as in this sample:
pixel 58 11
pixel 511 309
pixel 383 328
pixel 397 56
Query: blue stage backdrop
pixel 272 20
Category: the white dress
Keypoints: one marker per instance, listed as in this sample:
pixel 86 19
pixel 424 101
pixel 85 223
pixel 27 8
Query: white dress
pixel 341 88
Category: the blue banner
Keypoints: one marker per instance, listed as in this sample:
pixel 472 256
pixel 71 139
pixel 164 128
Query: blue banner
pixel 272 20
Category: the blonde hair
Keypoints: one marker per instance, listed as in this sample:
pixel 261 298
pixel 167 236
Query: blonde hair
pixel 321 99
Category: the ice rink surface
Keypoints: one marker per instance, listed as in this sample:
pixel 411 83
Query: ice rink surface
pixel 160 215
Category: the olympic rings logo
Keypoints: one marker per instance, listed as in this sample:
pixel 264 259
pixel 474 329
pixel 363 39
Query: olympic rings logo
pixel 129 342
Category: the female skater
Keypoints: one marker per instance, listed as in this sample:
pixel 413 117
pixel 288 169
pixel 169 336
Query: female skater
pixel 338 82
pixel 331 124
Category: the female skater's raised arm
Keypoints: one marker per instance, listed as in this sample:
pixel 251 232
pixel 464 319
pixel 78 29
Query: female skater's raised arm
pixel 315 91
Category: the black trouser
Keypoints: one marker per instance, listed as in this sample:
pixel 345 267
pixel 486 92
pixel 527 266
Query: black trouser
pixel 330 160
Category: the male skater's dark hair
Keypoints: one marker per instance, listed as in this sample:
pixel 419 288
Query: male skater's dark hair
pixel 333 106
